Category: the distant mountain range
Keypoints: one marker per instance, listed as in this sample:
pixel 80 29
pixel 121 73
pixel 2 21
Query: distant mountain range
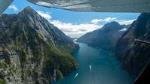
pixel 105 37
pixel 133 48
pixel 32 50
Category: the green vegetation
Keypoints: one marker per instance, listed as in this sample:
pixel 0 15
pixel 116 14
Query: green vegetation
pixel 2 81
pixel 40 47
pixel 59 74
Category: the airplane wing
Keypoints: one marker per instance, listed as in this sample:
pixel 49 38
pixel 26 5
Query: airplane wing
pixel 90 5
pixel 97 5
pixel 4 4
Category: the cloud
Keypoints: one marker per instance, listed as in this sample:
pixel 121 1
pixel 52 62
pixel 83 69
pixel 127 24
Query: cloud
pixel 105 20
pixel 46 15
pixel 43 3
pixel 96 21
pixel 125 22
pixel 124 29
pixel 70 29
pixel 77 30
pixel 110 19
pixel 13 7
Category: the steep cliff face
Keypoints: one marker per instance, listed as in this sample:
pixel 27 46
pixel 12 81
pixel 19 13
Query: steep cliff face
pixel 33 51
pixel 134 46
pixel 106 37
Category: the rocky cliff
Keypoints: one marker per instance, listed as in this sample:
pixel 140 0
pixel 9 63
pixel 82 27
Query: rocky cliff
pixel 105 37
pixel 133 47
pixel 33 51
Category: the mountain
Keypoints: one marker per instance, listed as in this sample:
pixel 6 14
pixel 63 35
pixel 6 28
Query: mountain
pixel 32 50
pixel 105 37
pixel 133 47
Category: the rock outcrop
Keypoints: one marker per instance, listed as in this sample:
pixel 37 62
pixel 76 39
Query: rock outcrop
pixel 32 50
pixel 133 48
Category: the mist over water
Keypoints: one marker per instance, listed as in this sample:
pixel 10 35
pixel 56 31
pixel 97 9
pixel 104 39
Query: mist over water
pixel 97 66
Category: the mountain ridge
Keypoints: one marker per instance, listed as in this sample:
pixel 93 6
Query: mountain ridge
pixel 130 50
pixel 105 37
pixel 35 49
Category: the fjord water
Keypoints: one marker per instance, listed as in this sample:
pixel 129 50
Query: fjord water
pixel 97 66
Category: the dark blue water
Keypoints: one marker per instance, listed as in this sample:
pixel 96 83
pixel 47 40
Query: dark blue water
pixel 97 66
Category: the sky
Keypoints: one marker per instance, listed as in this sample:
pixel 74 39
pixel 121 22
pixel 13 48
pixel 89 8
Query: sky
pixel 74 24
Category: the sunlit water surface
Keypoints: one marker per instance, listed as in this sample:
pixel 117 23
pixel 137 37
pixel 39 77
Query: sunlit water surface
pixel 97 66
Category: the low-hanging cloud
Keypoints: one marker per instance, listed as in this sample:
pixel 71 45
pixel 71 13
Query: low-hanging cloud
pixel 77 30
pixel 106 20
pixel 110 19
pixel 13 7
pixel 45 15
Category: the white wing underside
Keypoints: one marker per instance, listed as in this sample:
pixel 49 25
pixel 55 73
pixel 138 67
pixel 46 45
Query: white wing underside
pixel 90 5
pixel 98 5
